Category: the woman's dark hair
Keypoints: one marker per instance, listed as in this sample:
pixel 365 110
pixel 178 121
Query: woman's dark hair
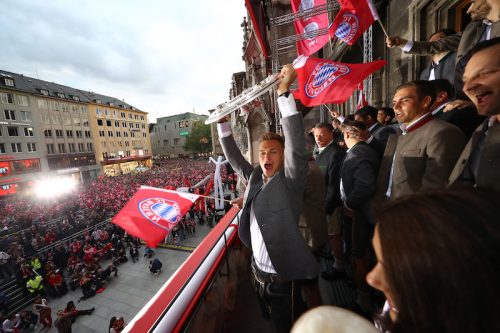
pixel 441 255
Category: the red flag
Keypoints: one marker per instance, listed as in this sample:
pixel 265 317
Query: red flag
pixel 353 18
pixel 323 81
pixel 310 25
pixel 361 99
pixel 152 212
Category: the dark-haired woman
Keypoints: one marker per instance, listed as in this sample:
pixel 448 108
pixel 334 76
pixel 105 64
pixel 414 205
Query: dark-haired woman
pixel 439 262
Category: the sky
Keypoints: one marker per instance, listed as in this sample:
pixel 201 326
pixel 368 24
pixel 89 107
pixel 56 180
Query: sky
pixel 164 57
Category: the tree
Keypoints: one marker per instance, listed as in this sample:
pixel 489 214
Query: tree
pixel 200 138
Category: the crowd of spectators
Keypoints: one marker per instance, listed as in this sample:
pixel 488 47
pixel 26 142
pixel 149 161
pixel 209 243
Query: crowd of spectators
pixel 51 246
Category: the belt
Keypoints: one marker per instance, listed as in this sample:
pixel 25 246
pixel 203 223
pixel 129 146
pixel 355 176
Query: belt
pixel 264 277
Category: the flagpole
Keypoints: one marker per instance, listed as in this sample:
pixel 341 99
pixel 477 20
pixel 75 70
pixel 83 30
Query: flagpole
pixel 208 197
pixel 383 28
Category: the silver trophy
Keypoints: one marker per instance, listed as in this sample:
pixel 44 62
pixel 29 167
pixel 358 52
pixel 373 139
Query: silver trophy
pixel 244 98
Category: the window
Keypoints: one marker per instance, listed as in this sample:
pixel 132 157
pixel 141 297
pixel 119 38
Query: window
pixel 76 98
pixel 108 123
pixel 89 147
pixel 59 133
pixel 69 133
pixel 67 120
pixel 65 107
pixel 136 117
pixel 71 147
pixel 137 125
pixel 31 147
pixel 118 134
pixel 117 124
pixel 130 116
pixel 22 100
pixel 45 119
pixel 143 135
pixel 55 105
pixel 122 114
pixel 98 112
pixel 110 133
pixel 2 148
pixel 143 126
pixel 86 123
pixel 83 109
pixel 80 148
pixel 131 125
pixel 16 147
pixel 50 148
pixel 165 143
pixel 99 122
pixel 62 148
pixel 128 153
pixel 127 143
pixel 9 114
pixel 42 104
pixel 12 130
pixel 132 134
pixel 87 134
pixel 6 98
pixel 125 134
pixel 60 95
pixel 124 124
pixel 25 115
pixel 176 142
pixel 142 117
pixel 0 130
pixel 106 112
pixel 47 133
pixel 77 121
pixel 9 82
pixel 101 133
pixel 78 134
pixel 28 131
pixel 103 144
pixel 56 119
pixel 44 92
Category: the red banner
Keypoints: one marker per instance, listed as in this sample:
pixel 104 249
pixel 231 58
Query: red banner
pixel 152 212
pixel 323 82
pixel 353 18
pixel 311 26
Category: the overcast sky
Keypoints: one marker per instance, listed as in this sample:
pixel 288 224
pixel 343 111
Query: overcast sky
pixel 162 56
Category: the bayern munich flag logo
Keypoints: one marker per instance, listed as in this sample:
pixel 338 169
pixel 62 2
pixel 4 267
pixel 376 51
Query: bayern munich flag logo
pixel 161 212
pixel 323 76
pixel 348 28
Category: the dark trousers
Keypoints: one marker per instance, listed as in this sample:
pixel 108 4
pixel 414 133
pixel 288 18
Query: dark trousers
pixel 280 300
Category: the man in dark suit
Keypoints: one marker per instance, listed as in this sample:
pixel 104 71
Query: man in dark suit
pixel 479 163
pixel 442 64
pixel 466 119
pixel 463 42
pixel 385 116
pixel 358 184
pixel 329 159
pixel 368 116
pixel 422 156
pixel 271 209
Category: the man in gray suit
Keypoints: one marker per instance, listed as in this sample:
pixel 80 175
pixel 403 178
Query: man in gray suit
pixel 423 155
pixel 271 209
pixel 479 164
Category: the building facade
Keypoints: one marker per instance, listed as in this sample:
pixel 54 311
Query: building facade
pixel 169 134
pixel 48 129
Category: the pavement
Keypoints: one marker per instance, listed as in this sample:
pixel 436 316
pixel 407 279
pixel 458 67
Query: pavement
pixel 127 294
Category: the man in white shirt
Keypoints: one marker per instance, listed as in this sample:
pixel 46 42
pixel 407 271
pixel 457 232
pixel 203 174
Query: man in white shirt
pixel 271 208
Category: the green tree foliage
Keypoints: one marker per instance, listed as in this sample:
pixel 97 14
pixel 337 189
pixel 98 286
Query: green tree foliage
pixel 200 138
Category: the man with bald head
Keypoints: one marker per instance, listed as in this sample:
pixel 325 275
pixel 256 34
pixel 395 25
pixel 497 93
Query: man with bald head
pixel 479 163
